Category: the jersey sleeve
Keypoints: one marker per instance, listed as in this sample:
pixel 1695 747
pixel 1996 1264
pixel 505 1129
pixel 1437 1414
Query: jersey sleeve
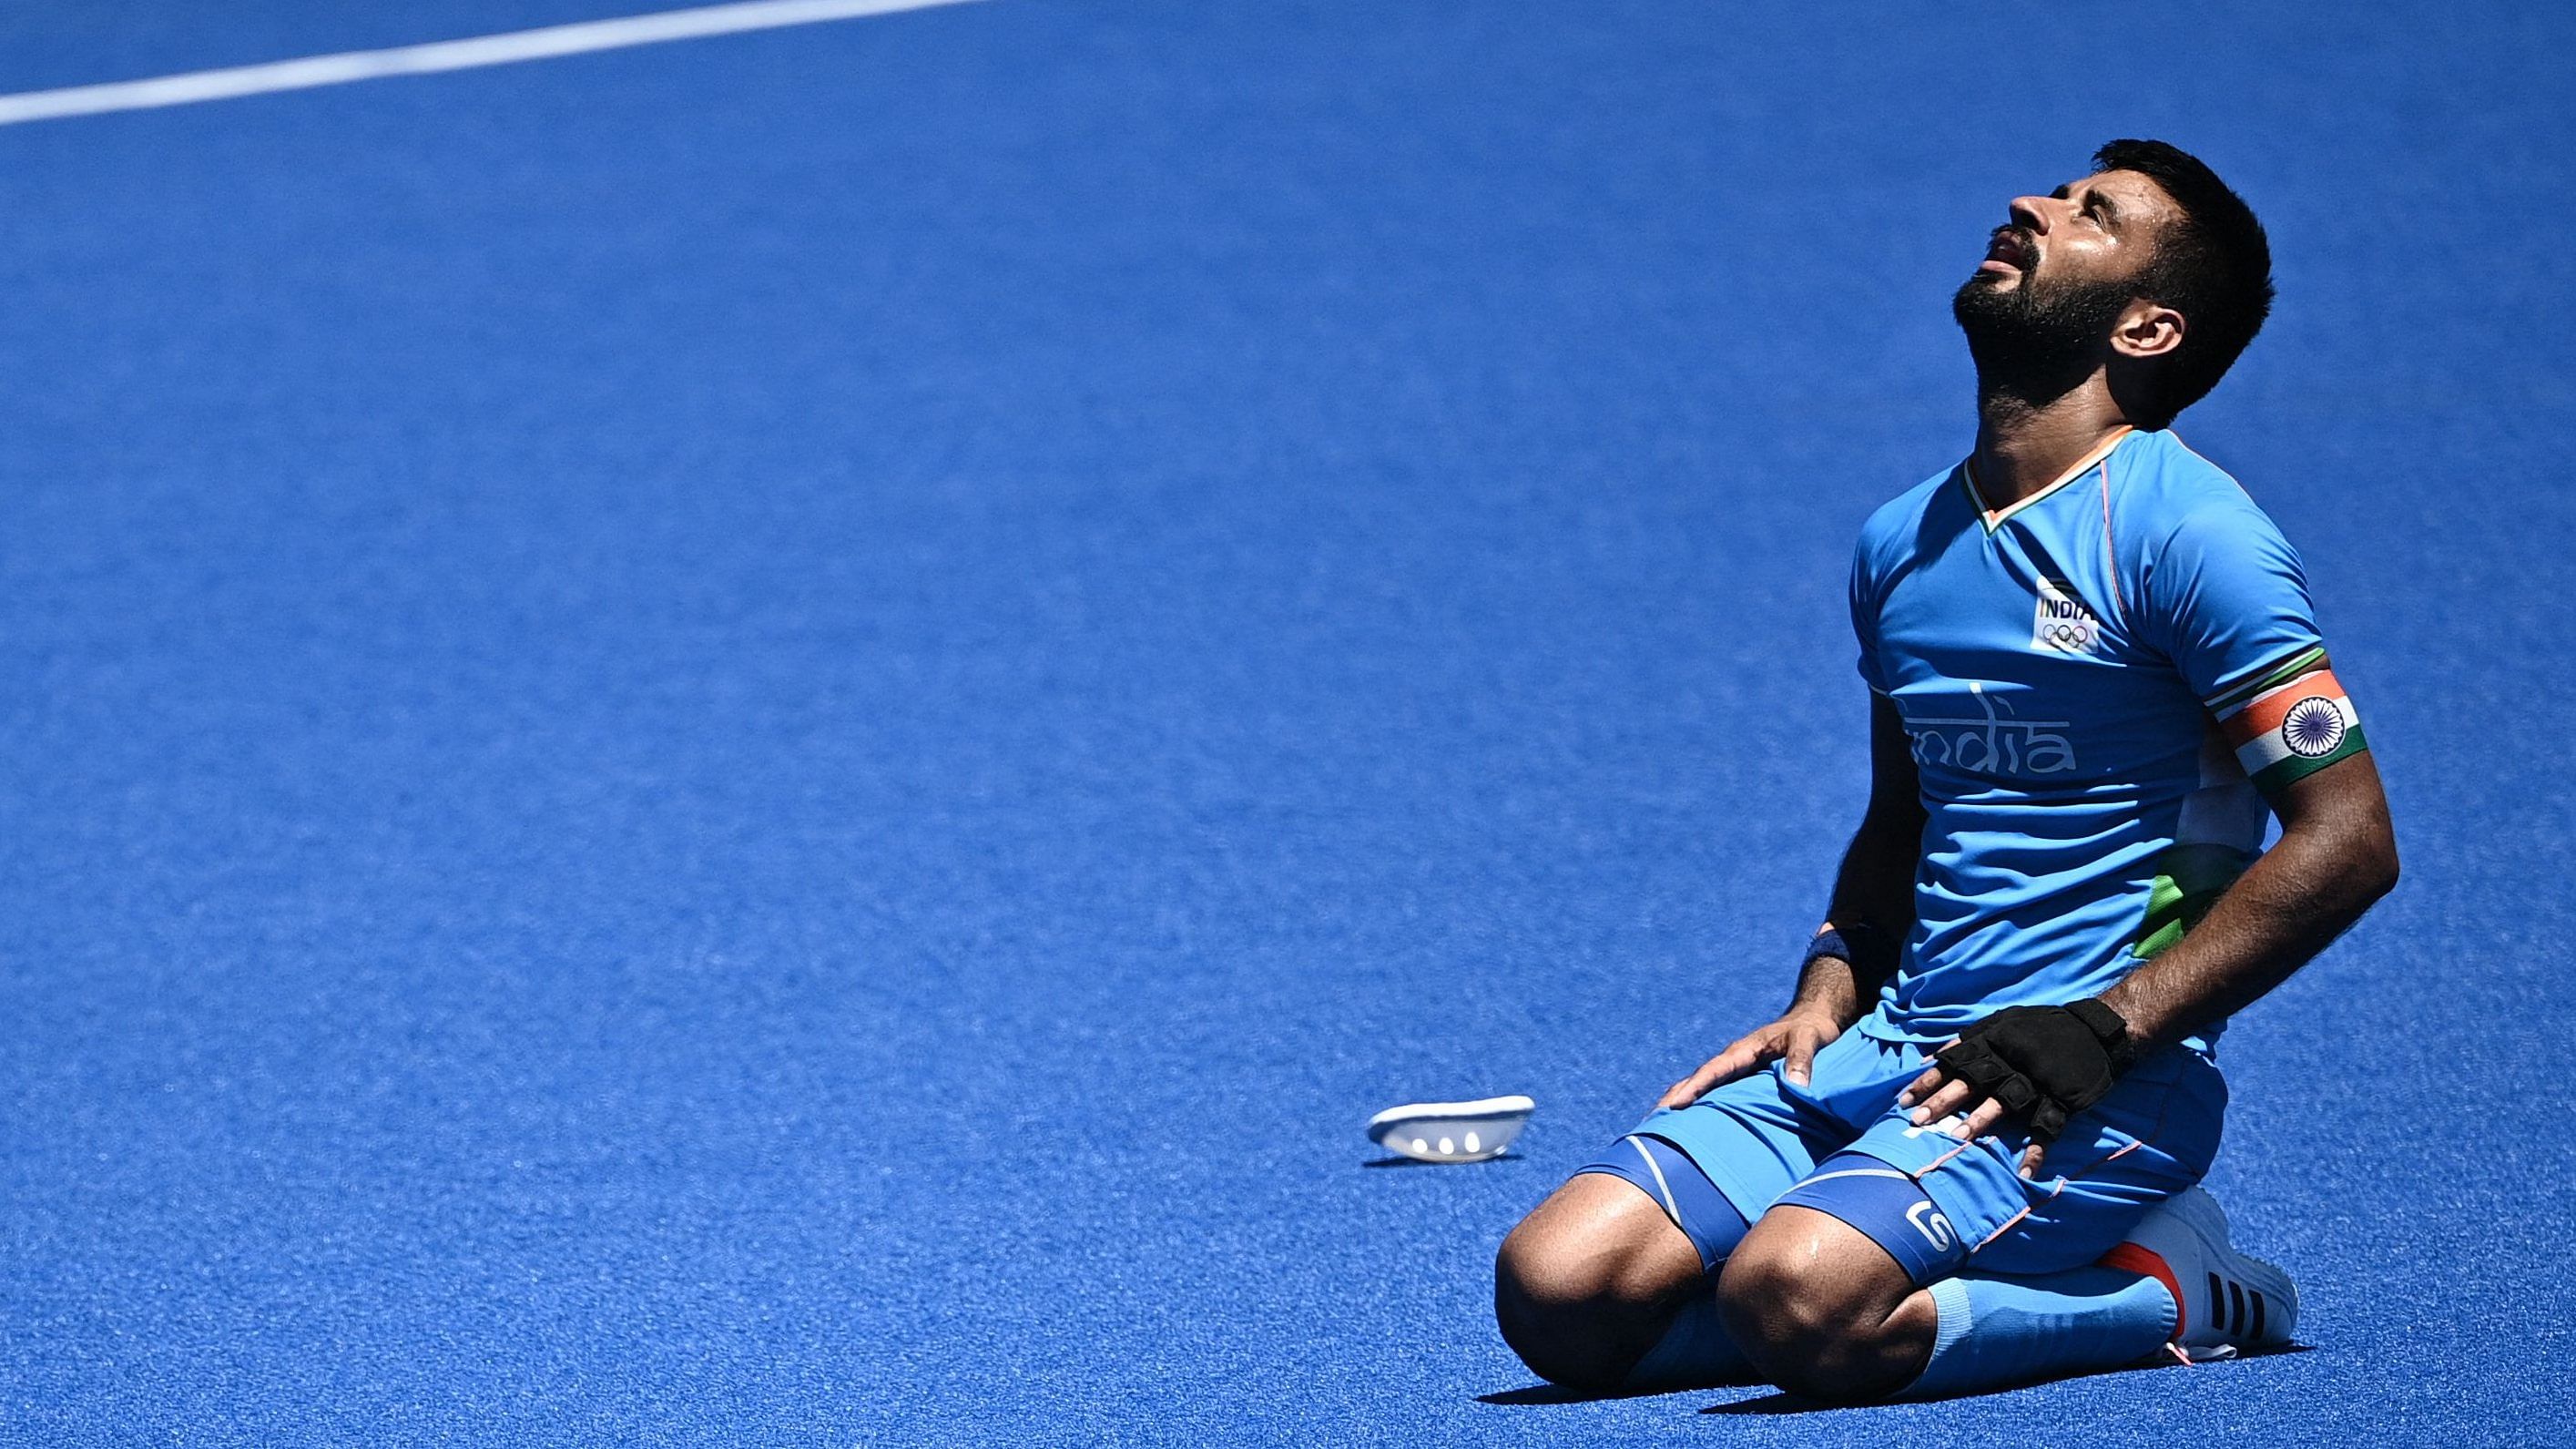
pixel 1864 616
pixel 2227 600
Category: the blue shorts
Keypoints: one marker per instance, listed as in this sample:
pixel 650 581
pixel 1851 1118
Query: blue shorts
pixel 1762 1140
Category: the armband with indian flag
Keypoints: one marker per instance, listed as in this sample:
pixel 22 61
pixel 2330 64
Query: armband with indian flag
pixel 2289 722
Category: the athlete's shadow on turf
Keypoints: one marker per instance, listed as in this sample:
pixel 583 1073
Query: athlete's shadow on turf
pixel 1775 1404
pixel 1417 1162
pixel 1551 1394
pixel 1557 1394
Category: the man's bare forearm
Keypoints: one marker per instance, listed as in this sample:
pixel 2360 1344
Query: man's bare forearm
pixel 1873 899
pixel 2336 856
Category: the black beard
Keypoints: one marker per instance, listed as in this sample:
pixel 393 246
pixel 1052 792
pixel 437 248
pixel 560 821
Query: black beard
pixel 2035 344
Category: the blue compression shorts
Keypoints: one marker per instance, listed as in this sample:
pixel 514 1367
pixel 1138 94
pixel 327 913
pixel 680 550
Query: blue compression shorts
pixel 1659 1170
pixel 1842 1146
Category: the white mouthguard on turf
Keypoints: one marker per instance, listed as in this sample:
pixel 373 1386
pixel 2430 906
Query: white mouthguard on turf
pixel 1452 1131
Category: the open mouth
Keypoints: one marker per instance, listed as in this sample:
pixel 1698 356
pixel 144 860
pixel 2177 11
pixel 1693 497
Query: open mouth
pixel 2009 250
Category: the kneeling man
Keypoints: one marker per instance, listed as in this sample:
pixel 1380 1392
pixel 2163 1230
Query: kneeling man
pixel 1966 1156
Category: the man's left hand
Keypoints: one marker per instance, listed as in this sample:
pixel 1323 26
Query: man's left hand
pixel 2039 1064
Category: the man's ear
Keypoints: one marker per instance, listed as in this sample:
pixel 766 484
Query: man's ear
pixel 2146 330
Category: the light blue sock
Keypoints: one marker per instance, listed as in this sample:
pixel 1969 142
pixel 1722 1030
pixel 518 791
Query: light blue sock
pixel 1695 1353
pixel 1997 1332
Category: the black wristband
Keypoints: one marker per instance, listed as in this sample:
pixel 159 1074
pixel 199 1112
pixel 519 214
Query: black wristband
pixel 1867 950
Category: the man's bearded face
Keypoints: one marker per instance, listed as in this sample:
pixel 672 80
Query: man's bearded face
pixel 2055 279
pixel 2024 327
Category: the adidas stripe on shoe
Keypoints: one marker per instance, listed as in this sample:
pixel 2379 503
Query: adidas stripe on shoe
pixel 2225 1302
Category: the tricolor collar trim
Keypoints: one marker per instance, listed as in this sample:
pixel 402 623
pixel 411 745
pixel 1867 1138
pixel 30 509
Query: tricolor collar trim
pixel 1995 518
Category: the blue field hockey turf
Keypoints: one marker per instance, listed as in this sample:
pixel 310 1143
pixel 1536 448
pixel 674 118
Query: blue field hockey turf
pixel 772 741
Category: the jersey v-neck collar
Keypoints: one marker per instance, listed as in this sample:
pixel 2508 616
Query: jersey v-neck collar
pixel 1994 518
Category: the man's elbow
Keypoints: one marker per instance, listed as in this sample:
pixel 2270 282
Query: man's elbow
pixel 2372 857
pixel 2384 867
pixel 2340 818
pixel 2360 844
pixel 2352 855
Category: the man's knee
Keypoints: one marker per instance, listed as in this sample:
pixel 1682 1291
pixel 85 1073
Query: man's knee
pixel 1585 1286
pixel 1820 1310
pixel 1794 1328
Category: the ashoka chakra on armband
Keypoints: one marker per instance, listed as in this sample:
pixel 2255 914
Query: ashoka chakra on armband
pixel 2313 727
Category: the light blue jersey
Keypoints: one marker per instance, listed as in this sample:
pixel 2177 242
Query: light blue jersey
pixel 2102 683
pixel 2095 679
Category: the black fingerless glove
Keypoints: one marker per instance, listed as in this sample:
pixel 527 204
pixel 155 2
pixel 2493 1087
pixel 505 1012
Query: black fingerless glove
pixel 2044 1063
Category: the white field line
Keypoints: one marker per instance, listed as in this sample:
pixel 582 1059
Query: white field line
pixel 508 48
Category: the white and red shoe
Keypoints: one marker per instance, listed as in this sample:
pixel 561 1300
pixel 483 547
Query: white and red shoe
pixel 2225 1302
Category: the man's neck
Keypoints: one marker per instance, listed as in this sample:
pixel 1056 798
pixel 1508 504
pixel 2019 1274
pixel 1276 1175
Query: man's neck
pixel 2023 447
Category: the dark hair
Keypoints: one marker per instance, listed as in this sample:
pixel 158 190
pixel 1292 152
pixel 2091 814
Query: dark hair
pixel 2214 267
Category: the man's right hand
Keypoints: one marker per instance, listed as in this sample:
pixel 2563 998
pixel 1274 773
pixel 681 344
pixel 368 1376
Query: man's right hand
pixel 1795 1039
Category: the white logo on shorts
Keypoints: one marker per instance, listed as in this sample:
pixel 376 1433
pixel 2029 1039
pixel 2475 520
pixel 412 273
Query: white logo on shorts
pixel 1935 1228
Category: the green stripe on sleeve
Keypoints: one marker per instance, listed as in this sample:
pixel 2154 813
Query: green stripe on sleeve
pixel 2282 673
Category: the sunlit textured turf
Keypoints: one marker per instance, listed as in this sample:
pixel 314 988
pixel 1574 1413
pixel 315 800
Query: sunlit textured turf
pixel 774 741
